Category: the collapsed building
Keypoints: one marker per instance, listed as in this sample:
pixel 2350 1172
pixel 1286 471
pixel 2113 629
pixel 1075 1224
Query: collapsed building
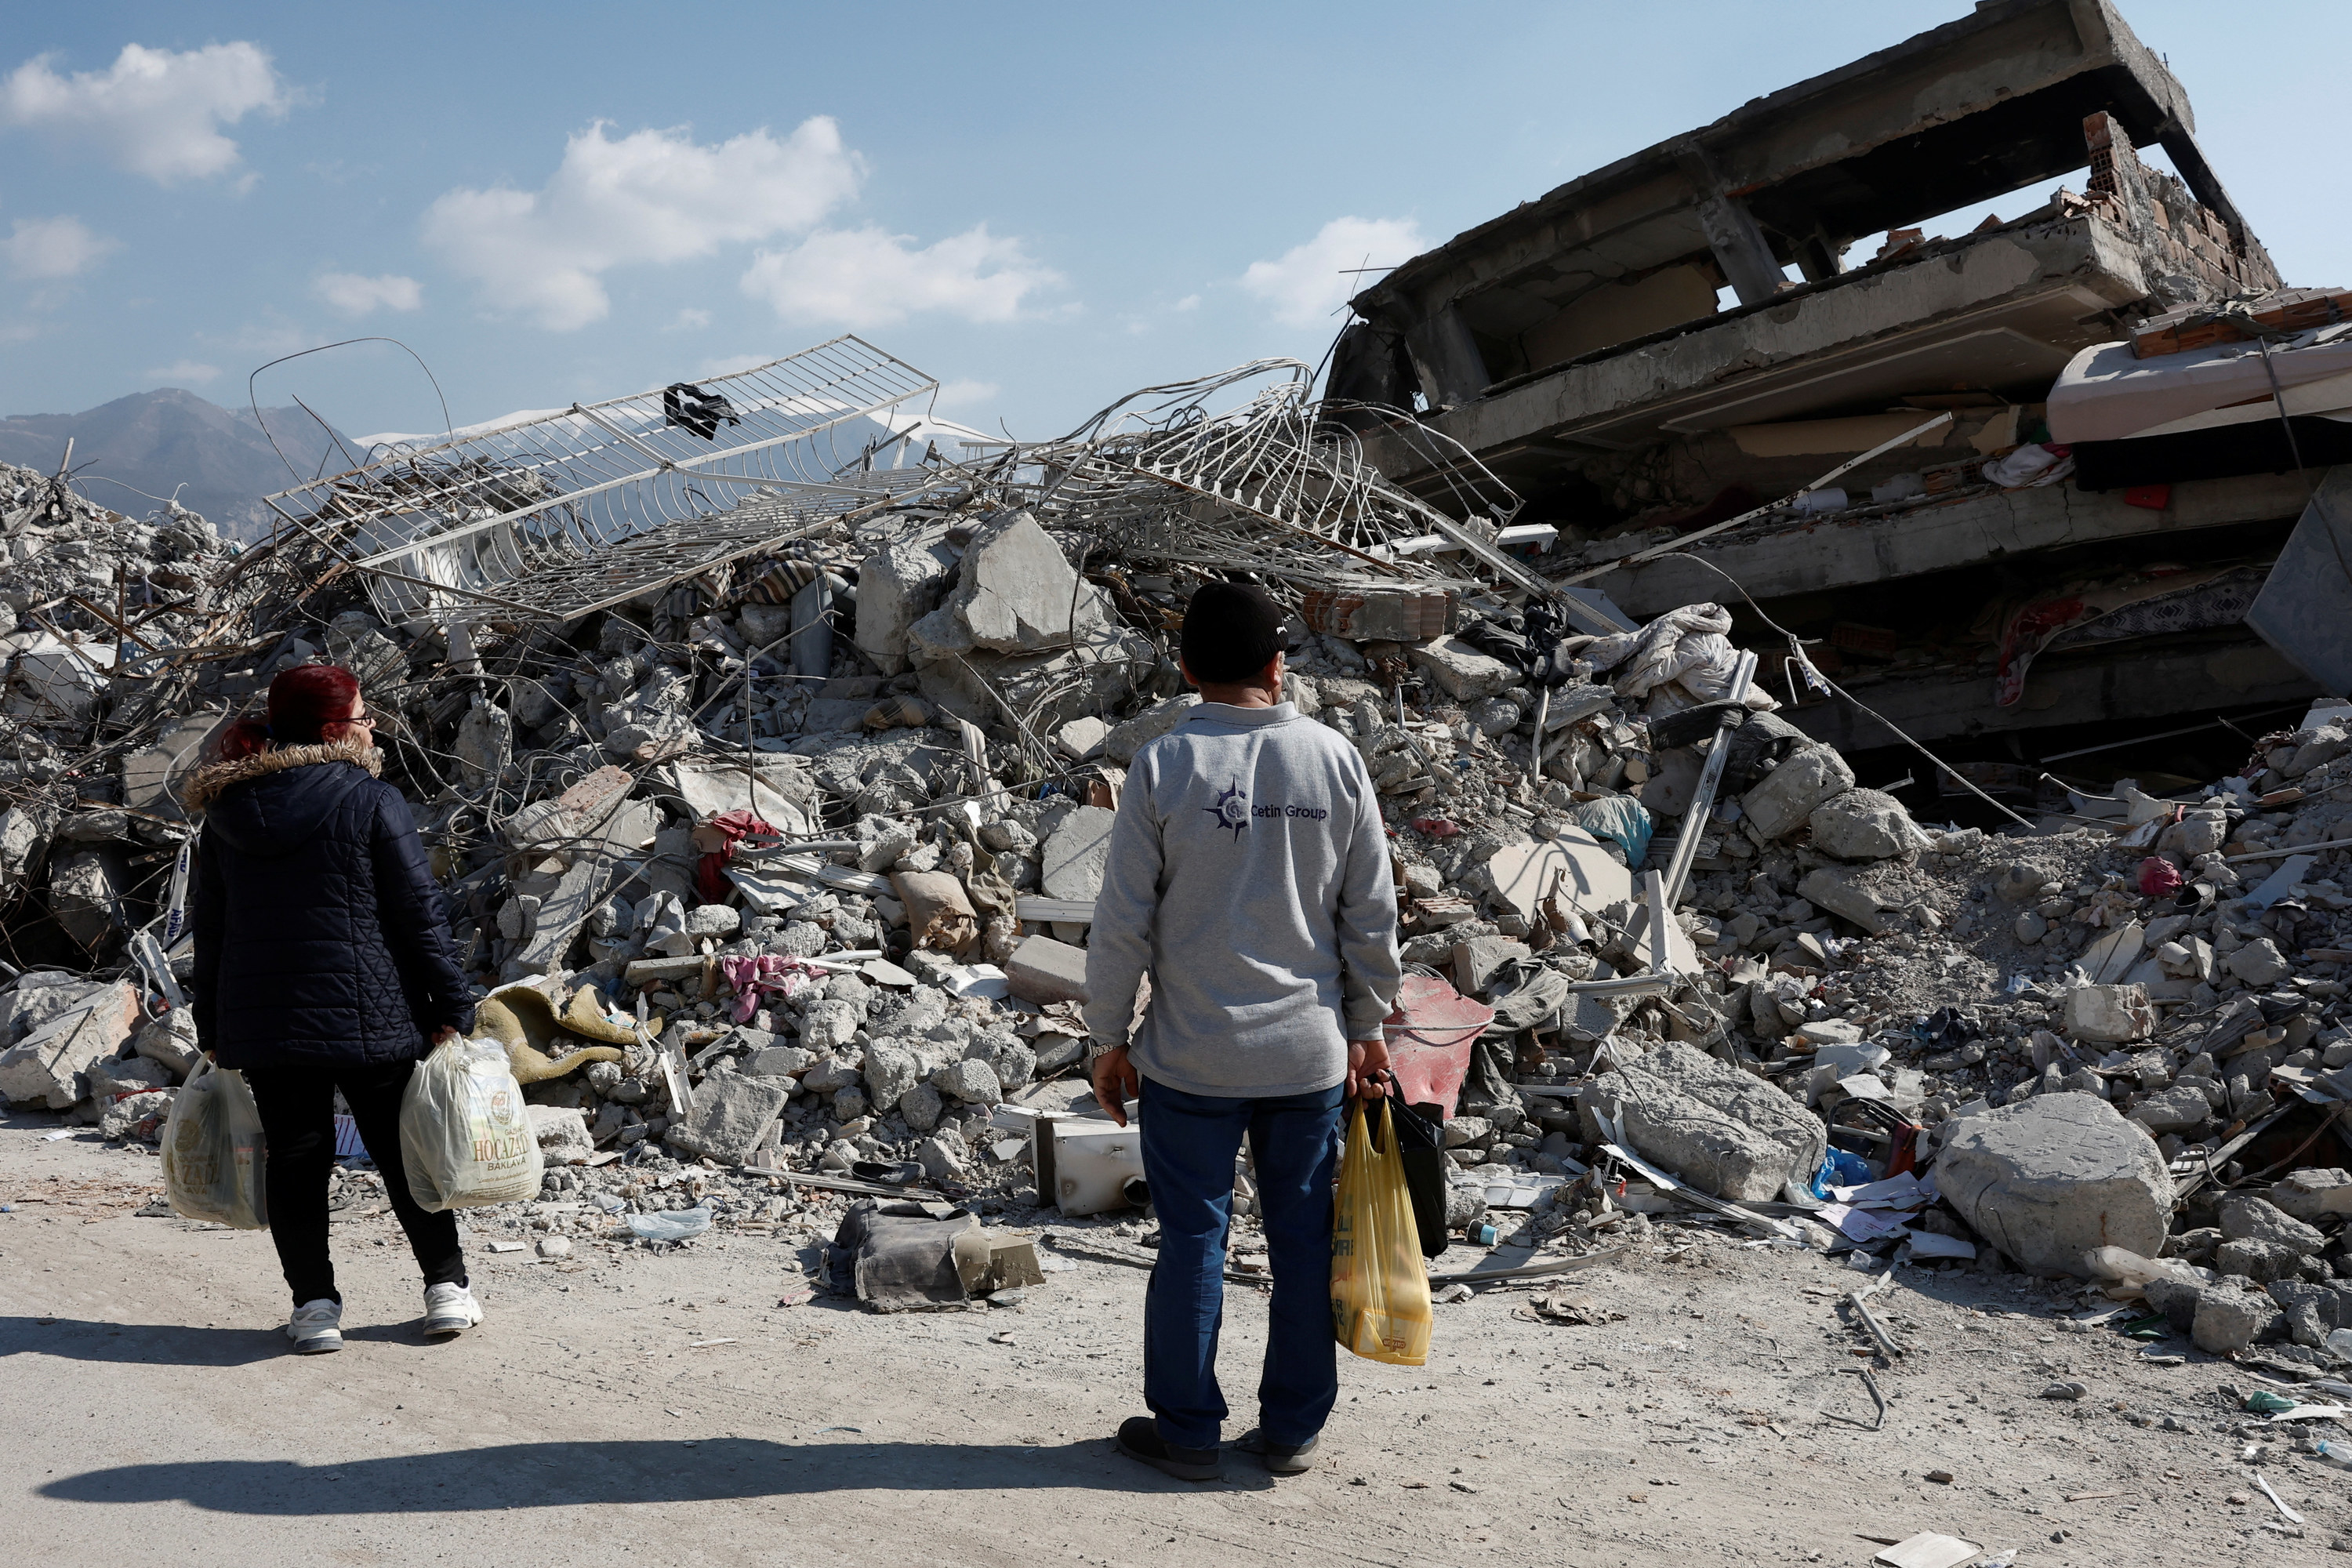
pixel 766 734
pixel 1964 582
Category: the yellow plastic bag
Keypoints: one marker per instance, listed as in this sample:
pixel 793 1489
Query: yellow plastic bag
pixel 464 1134
pixel 1380 1286
pixel 214 1159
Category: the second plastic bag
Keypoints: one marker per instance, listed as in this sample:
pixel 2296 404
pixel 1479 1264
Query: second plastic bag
pixel 214 1158
pixel 1380 1286
pixel 464 1134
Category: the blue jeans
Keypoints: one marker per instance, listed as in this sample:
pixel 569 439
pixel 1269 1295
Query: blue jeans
pixel 1189 1144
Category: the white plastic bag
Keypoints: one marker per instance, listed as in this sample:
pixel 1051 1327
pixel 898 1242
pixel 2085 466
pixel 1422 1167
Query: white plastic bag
pixel 463 1134
pixel 213 1153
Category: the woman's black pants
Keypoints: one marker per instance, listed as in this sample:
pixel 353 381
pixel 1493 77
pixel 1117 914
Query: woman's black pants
pixel 297 1128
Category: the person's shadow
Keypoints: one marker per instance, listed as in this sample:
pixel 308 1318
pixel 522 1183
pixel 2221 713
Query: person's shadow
pixel 547 1474
pixel 564 1475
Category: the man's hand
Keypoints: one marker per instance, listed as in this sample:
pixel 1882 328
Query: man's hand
pixel 1116 1082
pixel 1367 1060
pixel 444 1035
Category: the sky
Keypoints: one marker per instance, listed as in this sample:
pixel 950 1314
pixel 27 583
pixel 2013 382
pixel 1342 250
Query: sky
pixel 1043 207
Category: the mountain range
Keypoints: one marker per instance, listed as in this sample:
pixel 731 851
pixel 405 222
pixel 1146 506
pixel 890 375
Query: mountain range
pixel 131 452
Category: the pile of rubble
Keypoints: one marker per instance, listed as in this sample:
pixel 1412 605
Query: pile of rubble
pixel 775 877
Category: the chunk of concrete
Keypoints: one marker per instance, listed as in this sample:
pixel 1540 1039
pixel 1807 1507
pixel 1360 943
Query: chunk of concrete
pixel 1045 971
pixel 50 1065
pixel 1077 852
pixel 892 1067
pixel 86 890
pixel 2108 1014
pixel 151 776
pixel 1723 1130
pixel 2313 1310
pixel 1786 798
pixel 2259 963
pixel 2048 1180
pixel 1836 890
pixel 1127 739
pixel 170 1042
pixel 2245 1217
pixel 562 1132
pixel 2260 1261
pixel 43 994
pixel 2231 1317
pixel 731 1114
pixel 1462 672
pixel 828 1027
pixel 1082 737
pixel 778 1061
pixel 110 1078
pixel 921 1106
pixel 896 586
pixel 1017 593
pixel 971 1081
pixel 1865 825
pixel 2174 1110
pixel 2309 1194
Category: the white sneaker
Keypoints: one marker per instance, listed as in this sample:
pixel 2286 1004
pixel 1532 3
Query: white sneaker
pixel 317 1327
pixel 450 1309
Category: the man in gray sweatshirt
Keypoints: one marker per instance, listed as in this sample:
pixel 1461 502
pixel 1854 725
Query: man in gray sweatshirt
pixel 1249 879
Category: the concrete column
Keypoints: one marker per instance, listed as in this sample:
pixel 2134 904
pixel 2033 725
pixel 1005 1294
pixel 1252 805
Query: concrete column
pixel 1740 247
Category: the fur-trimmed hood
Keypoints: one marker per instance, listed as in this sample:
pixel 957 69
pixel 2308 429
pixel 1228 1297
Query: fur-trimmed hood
pixel 204 786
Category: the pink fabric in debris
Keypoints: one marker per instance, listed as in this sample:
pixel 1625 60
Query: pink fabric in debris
pixel 755 976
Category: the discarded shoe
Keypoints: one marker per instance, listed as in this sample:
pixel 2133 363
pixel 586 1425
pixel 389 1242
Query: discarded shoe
pixel 1139 1438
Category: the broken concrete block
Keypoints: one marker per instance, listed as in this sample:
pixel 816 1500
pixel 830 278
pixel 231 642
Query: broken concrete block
pixel 140 1115
pixel 42 995
pixel 86 890
pixel 2260 1261
pixel 732 1115
pixel 1081 738
pixel 2307 1194
pixel 1828 888
pixel 896 586
pixel 1077 852
pixel 562 1132
pixel 1786 797
pixel 1865 825
pixel 892 1067
pixel 2047 1180
pixel 114 1077
pixel 2108 1014
pixel 50 1065
pixel 150 776
pixel 170 1042
pixel 2245 1217
pixel 1017 593
pixel 1723 1130
pixel 778 1061
pixel 1045 971
pixel 2231 1318
pixel 1127 739
pixel 829 1027
pixel 24 843
pixel 1462 672
pixel 2174 1110
pixel 972 1080
pixel 2313 1310
pixel 921 1106
pixel 2258 964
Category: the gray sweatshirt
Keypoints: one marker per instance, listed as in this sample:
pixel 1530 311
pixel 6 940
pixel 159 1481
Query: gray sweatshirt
pixel 1249 876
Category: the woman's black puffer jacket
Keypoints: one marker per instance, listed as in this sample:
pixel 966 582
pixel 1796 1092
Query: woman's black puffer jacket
pixel 322 938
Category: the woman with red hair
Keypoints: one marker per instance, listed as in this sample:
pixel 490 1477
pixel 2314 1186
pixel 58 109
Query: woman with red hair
pixel 323 962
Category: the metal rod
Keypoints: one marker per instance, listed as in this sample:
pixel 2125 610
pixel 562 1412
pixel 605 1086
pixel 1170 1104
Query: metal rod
pixel 1710 779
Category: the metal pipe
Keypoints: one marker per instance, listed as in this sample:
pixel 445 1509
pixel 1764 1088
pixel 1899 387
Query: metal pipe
pixel 1710 779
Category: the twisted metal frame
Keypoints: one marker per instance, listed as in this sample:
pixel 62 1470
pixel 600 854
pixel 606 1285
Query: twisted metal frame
pixel 573 511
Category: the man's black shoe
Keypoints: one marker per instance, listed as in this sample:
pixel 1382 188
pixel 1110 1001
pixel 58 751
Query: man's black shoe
pixel 1282 1458
pixel 1139 1438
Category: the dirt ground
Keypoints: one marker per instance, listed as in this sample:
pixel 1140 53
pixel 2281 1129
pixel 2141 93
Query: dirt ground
pixel 626 1405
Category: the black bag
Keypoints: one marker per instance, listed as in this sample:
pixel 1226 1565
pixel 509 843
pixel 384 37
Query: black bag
pixel 1421 1146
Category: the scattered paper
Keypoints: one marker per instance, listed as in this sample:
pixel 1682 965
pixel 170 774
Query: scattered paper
pixel 1928 1549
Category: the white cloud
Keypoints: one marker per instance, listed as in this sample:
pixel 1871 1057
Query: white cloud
pixel 651 196
pixel 964 394
pixel 864 277
pixel 53 248
pixel 185 370
pixel 688 319
pixel 155 113
pixel 355 295
pixel 1308 282
pixel 728 365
